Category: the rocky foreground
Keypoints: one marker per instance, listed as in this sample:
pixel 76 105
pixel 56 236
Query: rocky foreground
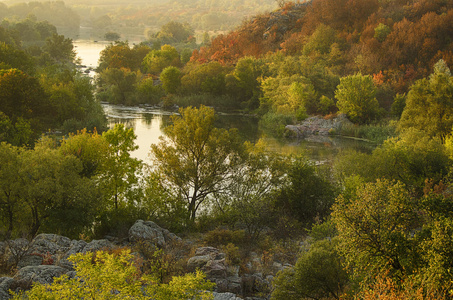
pixel 46 257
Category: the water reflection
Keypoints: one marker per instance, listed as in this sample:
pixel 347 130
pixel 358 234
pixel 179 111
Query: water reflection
pixel 148 124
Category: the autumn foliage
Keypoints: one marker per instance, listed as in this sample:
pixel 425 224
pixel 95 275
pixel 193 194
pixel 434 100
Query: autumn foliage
pixel 399 39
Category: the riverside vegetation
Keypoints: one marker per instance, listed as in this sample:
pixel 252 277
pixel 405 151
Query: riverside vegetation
pixel 367 225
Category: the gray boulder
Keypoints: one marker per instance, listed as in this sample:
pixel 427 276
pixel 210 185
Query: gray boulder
pixel 30 260
pixel 4 295
pixel 43 274
pixel 215 269
pixel 210 260
pixel 5 283
pixel 151 232
pixel 15 250
pixel 225 296
pixel 198 262
pixel 96 245
pixel 50 244
pixel 76 247
pixel 318 126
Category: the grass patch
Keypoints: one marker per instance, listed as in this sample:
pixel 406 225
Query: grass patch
pixel 222 102
pixel 377 133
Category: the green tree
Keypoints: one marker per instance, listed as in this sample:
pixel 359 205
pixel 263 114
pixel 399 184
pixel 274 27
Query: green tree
pixel 148 92
pixel 89 148
pixel 376 225
pixel 71 96
pixel 175 32
pixel 196 159
pixel 118 175
pixel 21 96
pixel 248 71
pixel 381 32
pixel 411 158
pixel 10 200
pixel 356 95
pixel 320 41
pixel 57 198
pixel 292 95
pixel 429 105
pixel 13 57
pixel 60 48
pixel 112 36
pixel 318 274
pixel 250 198
pixel 157 60
pixel 117 85
pixel 206 78
pixel 17 134
pixel 306 195
pixel 120 55
pixel 171 79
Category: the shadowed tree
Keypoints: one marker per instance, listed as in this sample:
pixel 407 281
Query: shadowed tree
pixel 429 103
pixel 196 159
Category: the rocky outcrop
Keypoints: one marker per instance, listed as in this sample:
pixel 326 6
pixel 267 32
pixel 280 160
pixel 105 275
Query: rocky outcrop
pixel 42 259
pixel 42 274
pixel 151 232
pixel 318 126
pixel 46 257
pixel 227 279
pixel 225 296
pixel 5 286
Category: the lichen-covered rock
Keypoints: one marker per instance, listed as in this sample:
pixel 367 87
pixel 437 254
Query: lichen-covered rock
pixel 225 296
pixel 234 284
pixel 5 283
pixel 197 262
pixel 14 250
pixel 151 232
pixel 29 260
pixel 43 274
pixel 4 295
pixel 215 269
pixel 76 247
pixel 212 262
pixel 96 245
pixel 50 244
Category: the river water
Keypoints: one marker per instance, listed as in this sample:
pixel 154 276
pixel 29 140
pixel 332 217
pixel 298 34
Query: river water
pixel 148 122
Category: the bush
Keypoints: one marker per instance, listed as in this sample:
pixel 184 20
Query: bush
pixel 224 102
pixel 275 123
pixel 222 237
pixel 377 133
pixel 318 274
pixel 356 95
pixel 149 93
pixel 105 276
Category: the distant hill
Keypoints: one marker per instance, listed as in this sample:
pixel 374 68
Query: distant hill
pixel 398 41
pixel 138 16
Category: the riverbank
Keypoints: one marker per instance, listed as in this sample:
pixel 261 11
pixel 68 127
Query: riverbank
pixel 341 126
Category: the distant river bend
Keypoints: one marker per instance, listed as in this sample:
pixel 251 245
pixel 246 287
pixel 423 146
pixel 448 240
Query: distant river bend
pixel 148 122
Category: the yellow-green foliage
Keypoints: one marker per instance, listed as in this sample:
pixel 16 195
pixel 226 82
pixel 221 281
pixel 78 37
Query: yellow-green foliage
pixel 117 276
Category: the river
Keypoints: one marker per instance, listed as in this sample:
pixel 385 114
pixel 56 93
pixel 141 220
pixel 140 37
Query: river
pixel 148 122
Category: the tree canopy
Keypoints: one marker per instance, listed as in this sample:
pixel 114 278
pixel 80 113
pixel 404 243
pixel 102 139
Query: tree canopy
pixel 429 103
pixel 196 159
